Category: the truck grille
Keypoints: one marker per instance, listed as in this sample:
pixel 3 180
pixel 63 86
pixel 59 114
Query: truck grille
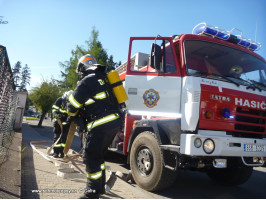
pixel 250 120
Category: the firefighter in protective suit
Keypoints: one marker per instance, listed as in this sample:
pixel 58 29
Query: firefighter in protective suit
pixel 59 112
pixel 103 120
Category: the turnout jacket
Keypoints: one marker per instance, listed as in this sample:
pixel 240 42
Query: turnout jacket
pixel 60 108
pixel 94 97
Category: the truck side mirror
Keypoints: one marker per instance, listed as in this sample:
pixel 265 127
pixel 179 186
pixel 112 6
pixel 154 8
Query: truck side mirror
pixel 155 56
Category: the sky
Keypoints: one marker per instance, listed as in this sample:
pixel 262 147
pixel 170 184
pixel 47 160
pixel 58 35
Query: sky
pixel 42 33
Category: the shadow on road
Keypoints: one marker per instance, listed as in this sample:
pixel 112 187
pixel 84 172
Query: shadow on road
pixel 197 185
pixel 28 178
pixel 190 185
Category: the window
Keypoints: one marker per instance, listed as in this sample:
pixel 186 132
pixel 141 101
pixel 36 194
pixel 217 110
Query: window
pixel 205 58
pixel 140 56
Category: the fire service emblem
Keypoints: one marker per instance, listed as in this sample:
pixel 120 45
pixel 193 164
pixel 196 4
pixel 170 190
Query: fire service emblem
pixel 151 97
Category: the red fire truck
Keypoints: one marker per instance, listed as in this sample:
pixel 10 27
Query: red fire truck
pixel 196 101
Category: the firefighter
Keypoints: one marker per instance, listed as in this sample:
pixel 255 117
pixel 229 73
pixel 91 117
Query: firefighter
pixel 59 112
pixel 94 97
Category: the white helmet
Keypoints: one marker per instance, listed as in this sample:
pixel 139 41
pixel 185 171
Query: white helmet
pixel 86 62
pixel 67 94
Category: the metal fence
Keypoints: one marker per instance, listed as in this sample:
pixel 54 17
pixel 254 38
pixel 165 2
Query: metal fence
pixel 8 103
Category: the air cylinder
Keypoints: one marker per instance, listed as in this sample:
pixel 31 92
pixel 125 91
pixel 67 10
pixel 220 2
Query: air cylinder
pixel 117 85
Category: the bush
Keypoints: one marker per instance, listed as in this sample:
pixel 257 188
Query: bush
pixel 32 118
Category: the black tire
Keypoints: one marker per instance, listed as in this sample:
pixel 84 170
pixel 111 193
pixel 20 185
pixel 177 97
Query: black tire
pixel 150 175
pixel 230 176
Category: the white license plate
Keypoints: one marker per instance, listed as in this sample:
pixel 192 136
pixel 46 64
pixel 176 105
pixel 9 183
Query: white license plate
pixel 255 148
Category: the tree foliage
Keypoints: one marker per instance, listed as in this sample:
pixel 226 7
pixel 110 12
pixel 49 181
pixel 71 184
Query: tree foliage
pixel 44 96
pixel 25 77
pixel 21 76
pixel 16 72
pixel 94 47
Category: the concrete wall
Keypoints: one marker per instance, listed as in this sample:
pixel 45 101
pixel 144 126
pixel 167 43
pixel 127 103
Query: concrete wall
pixel 22 97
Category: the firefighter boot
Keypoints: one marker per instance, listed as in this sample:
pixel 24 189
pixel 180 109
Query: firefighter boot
pixel 55 155
pixel 61 155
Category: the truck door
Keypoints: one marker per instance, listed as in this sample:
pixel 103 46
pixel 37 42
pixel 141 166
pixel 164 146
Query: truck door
pixel 153 92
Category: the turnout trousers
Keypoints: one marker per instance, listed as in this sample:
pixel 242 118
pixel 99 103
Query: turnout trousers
pixel 97 141
pixel 59 147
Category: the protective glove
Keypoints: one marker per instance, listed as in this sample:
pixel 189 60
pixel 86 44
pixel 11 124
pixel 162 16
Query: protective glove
pixel 56 116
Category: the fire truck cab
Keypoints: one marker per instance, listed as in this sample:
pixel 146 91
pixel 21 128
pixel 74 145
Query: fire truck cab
pixel 196 101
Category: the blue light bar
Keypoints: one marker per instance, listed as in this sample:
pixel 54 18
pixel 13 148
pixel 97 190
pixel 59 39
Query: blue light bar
pixel 204 29
pixel 212 32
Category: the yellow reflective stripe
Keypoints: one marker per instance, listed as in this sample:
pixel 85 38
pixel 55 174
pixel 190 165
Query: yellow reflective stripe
pixel 73 101
pixel 102 121
pixel 56 107
pixel 64 123
pixel 54 110
pixel 90 101
pixel 100 95
pixel 72 114
pixel 62 111
pixel 60 145
pixel 103 166
pixel 95 176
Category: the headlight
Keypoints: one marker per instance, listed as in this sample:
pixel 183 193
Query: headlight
pixel 208 146
pixel 197 142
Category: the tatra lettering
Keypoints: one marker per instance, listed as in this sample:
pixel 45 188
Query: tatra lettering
pixel 220 98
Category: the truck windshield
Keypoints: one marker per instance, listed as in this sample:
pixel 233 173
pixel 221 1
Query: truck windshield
pixel 217 61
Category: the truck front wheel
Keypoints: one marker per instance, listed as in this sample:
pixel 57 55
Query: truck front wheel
pixel 146 162
pixel 230 176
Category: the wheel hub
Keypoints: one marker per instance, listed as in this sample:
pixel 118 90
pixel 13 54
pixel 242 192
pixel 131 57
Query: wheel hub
pixel 145 161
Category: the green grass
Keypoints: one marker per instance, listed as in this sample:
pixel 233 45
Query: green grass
pixel 32 118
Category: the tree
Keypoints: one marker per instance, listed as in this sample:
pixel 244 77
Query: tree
pixel 44 96
pixel 93 47
pixel 110 63
pixel 70 77
pixel 16 73
pixel 25 77
pixel 118 64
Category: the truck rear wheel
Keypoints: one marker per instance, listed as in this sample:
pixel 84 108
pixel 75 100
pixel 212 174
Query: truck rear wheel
pixel 146 162
pixel 230 176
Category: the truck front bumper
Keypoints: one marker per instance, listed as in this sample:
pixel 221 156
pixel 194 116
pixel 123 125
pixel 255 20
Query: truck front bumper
pixel 224 145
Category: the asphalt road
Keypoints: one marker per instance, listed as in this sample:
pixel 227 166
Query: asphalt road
pixel 193 184
pixel 189 184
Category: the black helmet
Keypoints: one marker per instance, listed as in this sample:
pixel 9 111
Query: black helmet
pixel 85 63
